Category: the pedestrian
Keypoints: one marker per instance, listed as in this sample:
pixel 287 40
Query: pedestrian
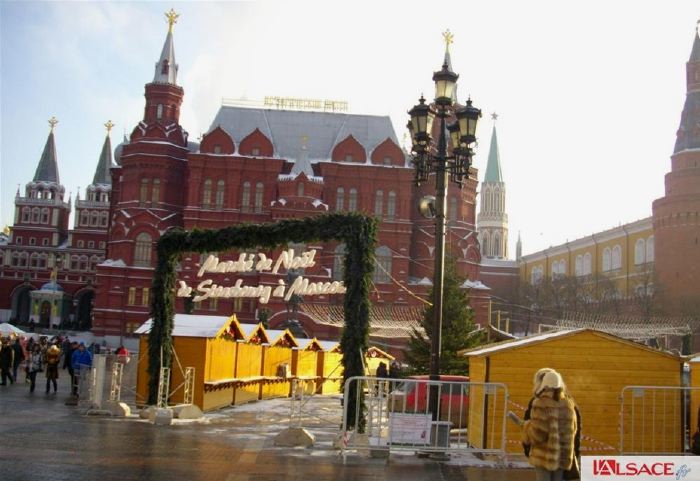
pixel 80 360
pixel 35 364
pixel 552 427
pixel 53 357
pixel 7 358
pixel 19 357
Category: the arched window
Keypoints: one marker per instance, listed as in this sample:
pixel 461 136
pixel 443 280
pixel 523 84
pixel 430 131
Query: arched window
pixel 587 264
pixel 143 194
pixel 206 194
pixel 391 206
pixel 155 193
pixel 639 251
pixel 36 215
pixel 616 257
pixel 340 199
pixel 379 203
pixel 220 185
pixel 142 250
pixel 650 249
pixel 300 189
pixel 339 262
pixel 45 215
pixel 259 191
pixel 607 259
pixel 352 200
pixel 159 111
pixel 382 270
pixel 453 209
pixel 578 270
pixel 26 214
pixel 245 200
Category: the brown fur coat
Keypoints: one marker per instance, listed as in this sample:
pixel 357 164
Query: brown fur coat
pixel 550 432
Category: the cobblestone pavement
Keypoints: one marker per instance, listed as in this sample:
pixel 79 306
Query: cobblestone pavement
pixel 43 439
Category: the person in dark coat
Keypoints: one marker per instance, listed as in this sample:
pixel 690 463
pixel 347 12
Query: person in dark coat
pixel 7 358
pixel 19 357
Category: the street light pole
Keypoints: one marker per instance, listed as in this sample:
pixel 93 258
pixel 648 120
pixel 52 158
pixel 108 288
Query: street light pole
pixel 429 158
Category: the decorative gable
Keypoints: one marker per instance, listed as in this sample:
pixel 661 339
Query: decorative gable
pixel 217 142
pixel 349 150
pixel 256 144
pixel 388 153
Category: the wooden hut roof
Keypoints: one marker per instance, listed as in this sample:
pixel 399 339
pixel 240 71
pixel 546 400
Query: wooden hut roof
pixel 189 325
pixel 548 336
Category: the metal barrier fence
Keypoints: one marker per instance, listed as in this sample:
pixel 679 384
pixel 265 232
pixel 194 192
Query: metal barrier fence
pixel 470 418
pixel 655 419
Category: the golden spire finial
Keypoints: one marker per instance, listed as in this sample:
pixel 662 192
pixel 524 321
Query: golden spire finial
pixel 52 122
pixel 448 36
pixel 172 19
pixel 109 126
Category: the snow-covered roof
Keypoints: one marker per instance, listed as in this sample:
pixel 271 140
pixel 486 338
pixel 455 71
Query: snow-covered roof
pixel 188 325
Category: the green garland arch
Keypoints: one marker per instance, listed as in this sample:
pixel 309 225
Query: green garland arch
pixel 357 231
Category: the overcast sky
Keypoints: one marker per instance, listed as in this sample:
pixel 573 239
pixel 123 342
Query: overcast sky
pixel 589 93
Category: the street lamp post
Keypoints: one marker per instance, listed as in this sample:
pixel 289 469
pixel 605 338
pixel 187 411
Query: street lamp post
pixel 431 157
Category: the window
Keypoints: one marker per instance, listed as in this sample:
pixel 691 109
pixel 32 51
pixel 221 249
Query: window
pixel 340 199
pixel 245 200
pixel 607 259
pixel 132 296
pixel 45 215
pixel 352 200
pixel 155 193
pixel 579 265
pixel 453 209
pixel 300 189
pixel 259 190
pixel 143 194
pixel 219 194
pixel 616 258
pixel 379 203
pixel 206 194
pixel 145 297
pixel 382 270
pixel 587 264
pixel 142 251
pixel 391 206
pixel 159 111
pixel 650 249
pixel 639 251
pixel 339 262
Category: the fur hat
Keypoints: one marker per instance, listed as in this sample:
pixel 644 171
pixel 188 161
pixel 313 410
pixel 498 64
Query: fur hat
pixel 551 380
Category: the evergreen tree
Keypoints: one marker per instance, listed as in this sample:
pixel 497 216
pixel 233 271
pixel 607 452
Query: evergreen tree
pixel 458 329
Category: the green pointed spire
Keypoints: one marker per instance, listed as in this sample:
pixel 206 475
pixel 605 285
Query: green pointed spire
pixel 102 175
pixel 493 167
pixel 47 170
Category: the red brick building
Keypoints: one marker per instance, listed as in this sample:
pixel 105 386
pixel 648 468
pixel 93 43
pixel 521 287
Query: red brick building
pixel 676 215
pixel 261 165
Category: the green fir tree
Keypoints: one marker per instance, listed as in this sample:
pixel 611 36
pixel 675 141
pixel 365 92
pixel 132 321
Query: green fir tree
pixel 458 329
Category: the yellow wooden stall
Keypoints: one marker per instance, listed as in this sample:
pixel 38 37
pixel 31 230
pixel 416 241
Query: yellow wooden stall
pixel 249 364
pixel 207 343
pixel 277 365
pixel 305 364
pixel 596 366
pixel 332 368
pixel 373 357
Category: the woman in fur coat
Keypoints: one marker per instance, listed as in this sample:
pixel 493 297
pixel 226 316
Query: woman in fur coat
pixel 552 427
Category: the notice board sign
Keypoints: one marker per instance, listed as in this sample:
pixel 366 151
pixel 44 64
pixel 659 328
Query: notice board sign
pixel 408 428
